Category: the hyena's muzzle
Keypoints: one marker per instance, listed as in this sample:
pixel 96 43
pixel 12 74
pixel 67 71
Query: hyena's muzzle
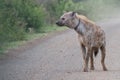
pixel 59 23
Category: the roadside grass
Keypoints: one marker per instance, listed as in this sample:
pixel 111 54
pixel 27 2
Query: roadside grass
pixel 31 36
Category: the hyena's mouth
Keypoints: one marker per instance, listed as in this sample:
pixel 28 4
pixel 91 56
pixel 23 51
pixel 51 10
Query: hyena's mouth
pixel 59 23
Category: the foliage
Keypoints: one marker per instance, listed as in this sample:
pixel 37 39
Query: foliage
pixel 33 14
pixel 16 16
pixel 77 7
pixel 54 8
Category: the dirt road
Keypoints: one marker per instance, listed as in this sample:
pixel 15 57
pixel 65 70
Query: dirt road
pixel 59 58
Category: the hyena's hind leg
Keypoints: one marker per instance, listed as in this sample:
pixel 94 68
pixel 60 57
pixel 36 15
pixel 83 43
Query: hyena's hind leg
pixel 103 53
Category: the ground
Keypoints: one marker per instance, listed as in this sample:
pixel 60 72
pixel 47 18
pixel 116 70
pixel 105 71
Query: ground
pixel 58 57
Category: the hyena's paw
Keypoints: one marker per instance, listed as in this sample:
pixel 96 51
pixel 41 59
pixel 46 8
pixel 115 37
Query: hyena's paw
pixel 105 69
pixel 92 68
pixel 85 70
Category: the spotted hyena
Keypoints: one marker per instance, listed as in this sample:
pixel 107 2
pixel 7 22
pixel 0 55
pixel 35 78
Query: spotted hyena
pixel 90 35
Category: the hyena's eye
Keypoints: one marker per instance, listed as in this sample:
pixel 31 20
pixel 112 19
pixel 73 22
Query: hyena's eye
pixel 63 18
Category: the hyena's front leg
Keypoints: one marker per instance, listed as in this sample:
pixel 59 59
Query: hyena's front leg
pixel 83 51
pixel 103 51
pixel 87 60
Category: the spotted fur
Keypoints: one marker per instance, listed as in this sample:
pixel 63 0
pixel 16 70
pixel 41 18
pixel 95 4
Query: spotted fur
pixel 90 35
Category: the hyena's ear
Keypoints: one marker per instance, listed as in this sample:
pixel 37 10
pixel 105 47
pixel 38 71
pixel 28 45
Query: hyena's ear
pixel 73 14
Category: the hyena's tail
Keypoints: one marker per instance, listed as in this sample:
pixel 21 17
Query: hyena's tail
pixel 96 52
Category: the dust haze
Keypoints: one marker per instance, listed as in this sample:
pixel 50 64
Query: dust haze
pixel 104 9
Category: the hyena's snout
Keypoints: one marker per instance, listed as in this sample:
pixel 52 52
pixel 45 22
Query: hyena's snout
pixel 59 23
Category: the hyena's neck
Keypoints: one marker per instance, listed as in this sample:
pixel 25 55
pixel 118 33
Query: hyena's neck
pixel 81 29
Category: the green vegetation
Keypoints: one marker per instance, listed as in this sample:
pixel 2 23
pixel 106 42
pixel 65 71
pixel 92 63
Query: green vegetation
pixel 16 17
pixel 19 17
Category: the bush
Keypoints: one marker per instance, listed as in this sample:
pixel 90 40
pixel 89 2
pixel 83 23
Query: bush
pixel 77 7
pixel 16 16
pixel 32 13
pixel 54 8
pixel 11 26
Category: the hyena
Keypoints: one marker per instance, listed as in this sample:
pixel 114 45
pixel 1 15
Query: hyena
pixel 90 35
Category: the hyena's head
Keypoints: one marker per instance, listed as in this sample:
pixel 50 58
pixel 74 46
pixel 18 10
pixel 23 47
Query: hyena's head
pixel 68 19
